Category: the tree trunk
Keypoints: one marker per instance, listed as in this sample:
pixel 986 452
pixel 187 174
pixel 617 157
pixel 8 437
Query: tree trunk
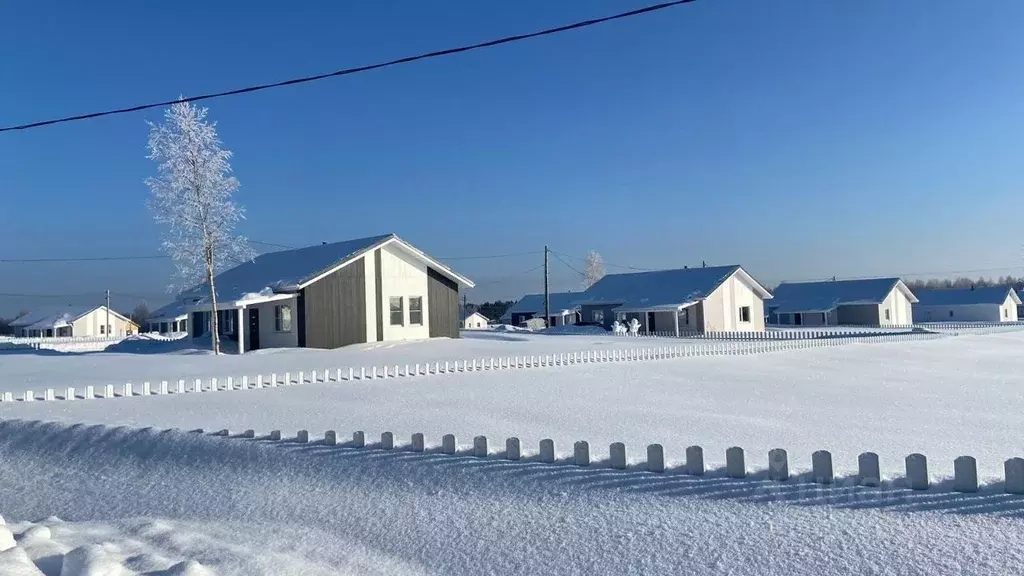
pixel 214 325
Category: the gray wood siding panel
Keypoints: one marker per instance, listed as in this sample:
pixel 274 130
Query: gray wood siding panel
pixel 379 295
pixel 335 308
pixel 443 305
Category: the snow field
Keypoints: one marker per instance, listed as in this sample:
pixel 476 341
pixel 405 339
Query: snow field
pixel 284 508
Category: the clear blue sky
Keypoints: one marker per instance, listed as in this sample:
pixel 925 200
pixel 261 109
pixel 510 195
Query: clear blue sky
pixel 799 138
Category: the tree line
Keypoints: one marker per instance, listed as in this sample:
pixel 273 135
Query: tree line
pixel 964 282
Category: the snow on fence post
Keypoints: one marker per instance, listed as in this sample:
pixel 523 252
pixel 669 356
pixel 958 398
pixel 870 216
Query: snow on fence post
pixel 330 438
pixel 48 395
pixel 446 369
pixel 735 463
pixel 448 444
pixel 164 387
pixel 655 458
pixel 108 391
pixel 338 375
pixel 695 461
pixel 547 451
pixel 387 440
pixel 417 442
pixel 778 465
pixel 245 382
pixel 479 443
pixel 302 437
pixel 868 469
pixel 513 449
pixel 273 380
pixel 617 455
pixel 8 397
pixel 1013 470
pixel 581 453
pixel 917 471
pixel 229 384
pixel 821 467
pixel 302 378
pixel 275 435
pixel 146 389
pixel 358 439
pixel 350 374
pixel 250 433
pixel 965 474
pixel 406 373
pixel 127 390
pixel 90 392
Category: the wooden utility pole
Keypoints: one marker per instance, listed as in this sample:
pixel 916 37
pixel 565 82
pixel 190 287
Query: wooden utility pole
pixel 547 297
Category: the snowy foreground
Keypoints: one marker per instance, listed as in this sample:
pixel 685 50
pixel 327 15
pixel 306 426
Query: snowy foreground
pixel 244 506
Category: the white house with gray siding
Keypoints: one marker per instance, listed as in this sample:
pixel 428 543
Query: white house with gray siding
pixel 713 299
pixel 868 302
pixel 563 307
pixel 989 304
pixel 375 289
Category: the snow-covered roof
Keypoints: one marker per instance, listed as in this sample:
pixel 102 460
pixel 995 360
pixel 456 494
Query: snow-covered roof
pixel 559 302
pixel 465 316
pixel 174 311
pixel 996 295
pixel 663 288
pixel 290 270
pixel 56 317
pixel 825 296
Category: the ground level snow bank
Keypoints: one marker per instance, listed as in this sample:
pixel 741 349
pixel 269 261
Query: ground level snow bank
pixel 254 507
pixel 52 547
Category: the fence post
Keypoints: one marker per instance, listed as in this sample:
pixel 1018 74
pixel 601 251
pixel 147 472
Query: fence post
pixel 29 396
pixel 163 387
pixel 1013 470
pixel 275 435
pixel 245 382
pixel 330 438
pixel 655 458
pixel 387 440
pixel 146 389
pixel 778 465
pixel 965 474
pixel 448 444
pixel 302 437
pixel 868 469
pixel 108 391
pixel 695 461
pixel 48 395
pixel 417 442
pixel 479 443
pixel 821 467
pixel 547 451
pixel 581 453
pixel 358 439
pixel 230 384
pixel 273 380
pixel 617 455
pixel 917 471
pixel 513 449
pixel 90 392
pixel 735 464
pixel 127 390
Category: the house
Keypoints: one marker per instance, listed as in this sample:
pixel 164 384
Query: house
pixel 372 289
pixel 561 304
pixel 712 299
pixel 870 302
pixel 170 318
pixel 989 304
pixel 475 321
pixel 73 321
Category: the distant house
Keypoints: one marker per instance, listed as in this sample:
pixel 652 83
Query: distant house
pixel 170 318
pixel 564 311
pixel 714 299
pixel 474 321
pixel 372 289
pixel 989 304
pixel 73 321
pixel 872 302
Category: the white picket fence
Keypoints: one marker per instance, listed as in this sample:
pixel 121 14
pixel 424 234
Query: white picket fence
pixel 60 343
pixel 965 468
pixel 809 334
pixel 696 349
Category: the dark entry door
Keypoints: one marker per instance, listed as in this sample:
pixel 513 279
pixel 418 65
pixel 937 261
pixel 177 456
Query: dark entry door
pixel 254 329
pixel 650 322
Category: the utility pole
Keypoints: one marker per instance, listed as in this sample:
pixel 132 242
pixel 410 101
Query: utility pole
pixel 547 297
pixel 465 308
pixel 107 329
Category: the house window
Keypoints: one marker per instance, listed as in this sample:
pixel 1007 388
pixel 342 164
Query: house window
pixel 103 329
pixel 950 313
pixel 886 313
pixel 397 312
pixel 1006 313
pixel 597 316
pixel 415 310
pixel 744 313
pixel 283 318
pixel 684 316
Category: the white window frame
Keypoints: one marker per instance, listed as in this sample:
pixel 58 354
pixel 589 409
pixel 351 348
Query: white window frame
pixel 420 311
pixel 887 316
pixel 103 328
pixel 400 311
pixel 279 318
pixel 741 311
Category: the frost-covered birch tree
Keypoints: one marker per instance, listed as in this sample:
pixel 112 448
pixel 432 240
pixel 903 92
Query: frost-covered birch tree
pixel 191 197
pixel 594 271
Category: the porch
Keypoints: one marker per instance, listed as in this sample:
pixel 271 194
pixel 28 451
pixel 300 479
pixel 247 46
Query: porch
pixel 675 320
pixel 264 322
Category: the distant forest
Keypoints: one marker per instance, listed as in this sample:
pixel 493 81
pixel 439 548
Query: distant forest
pixel 964 282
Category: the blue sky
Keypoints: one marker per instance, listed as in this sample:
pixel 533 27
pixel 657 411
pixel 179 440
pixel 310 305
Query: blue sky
pixel 799 138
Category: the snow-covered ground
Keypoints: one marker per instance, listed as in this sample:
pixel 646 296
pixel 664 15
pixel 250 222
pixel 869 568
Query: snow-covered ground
pixel 943 398
pixel 250 507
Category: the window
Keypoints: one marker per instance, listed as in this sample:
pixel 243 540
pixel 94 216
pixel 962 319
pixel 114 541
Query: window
pixel 397 313
pixel 597 316
pixel 744 313
pixel 684 316
pixel 886 313
pixel 950 313
pixel 283 318
pixel 1006 313
pixel 415 310
pixel 103 329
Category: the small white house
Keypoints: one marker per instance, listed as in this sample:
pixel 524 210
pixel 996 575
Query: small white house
pixel 990 304
pixel 169 319
pixel 73 321
pixel 868 302
pixel 564 311
pixel 475 321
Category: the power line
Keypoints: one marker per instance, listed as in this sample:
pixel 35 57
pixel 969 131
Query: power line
pixel 113 258
pixel 489 256
pixel 504 278
pixel 606 263
pixel 567 265
pixel 366 68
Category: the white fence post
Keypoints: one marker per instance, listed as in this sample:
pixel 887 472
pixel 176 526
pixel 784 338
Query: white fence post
pixel 513 449
pixel 90 392
pixel 29 396
pixel 387 440
pixel 417 442
pixel 48 395
pixel 127 391
pixel 250 433
pixel 1013 470
pixel 581 453
pixel 273 380
pixel 330 438
pixel 302 437
pixel 917 471
pixel 275 435
pixel 146 389
pixel 547 451
pixel 448 444
pixel 778 465
pixel 617 455
pixel 480 442
pixel 695 461
pixel 821 467
pixel 163 387
pixel 213 384
pixel 655 458
pixel 965 474
pixel 868 469
pixel 735 464
pixel 358 439
pixel 108 391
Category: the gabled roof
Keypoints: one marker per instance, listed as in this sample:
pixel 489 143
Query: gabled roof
pixel 463 317
pixel 172 311
pixel 825 296
pixel 291 270
pixel 57 316
pixel 996 295
pixel 558 302
pixel 664 288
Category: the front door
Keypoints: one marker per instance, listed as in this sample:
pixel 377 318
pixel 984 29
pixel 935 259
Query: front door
pixel 254 329
pixel 650 322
